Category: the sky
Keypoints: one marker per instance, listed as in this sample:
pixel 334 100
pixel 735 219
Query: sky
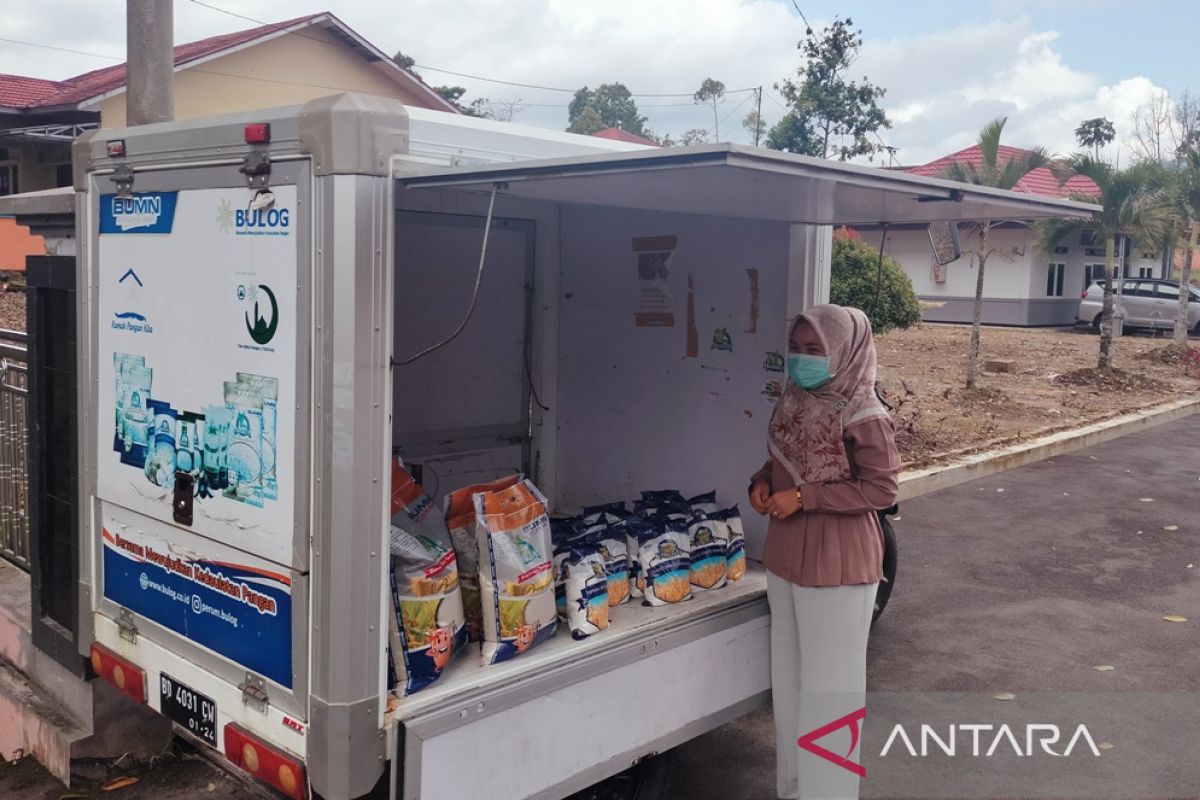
pixel 948 67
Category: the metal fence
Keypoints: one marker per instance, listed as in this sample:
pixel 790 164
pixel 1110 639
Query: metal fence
pixel 14 450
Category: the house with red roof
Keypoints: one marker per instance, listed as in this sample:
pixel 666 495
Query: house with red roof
pixel 1023 285
pixel 283 63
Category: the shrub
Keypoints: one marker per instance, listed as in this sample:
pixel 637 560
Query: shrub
pixel 852 283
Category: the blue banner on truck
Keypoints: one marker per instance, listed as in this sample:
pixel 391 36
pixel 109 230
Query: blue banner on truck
pixel 241 612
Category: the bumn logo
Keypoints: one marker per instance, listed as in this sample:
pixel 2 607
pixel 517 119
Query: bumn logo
pixel 139 211
pixel 809 741
pixel 262 330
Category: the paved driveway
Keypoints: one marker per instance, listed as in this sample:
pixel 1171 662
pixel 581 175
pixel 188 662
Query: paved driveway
pixel 1022 583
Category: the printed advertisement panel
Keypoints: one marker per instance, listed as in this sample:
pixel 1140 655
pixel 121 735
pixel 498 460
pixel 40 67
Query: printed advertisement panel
pixel 197 361
pixel 237 606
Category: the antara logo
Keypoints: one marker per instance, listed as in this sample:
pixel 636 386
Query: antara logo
pixel 291 723
pixel 139 211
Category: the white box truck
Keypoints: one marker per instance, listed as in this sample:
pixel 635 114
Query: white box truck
pixel 254 292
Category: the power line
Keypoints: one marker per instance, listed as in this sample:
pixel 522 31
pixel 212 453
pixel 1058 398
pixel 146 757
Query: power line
pixel 60 49
pixel 796 6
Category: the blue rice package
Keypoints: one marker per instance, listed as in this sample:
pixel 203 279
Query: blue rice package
pixel 703 503
pixel 735 559
pixel 613 545
pixel 708 551
pixel 586 589
pixel 663 555
pixel 215 441
pixel 160 456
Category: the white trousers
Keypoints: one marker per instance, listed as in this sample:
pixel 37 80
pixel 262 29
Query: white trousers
pixel 818 676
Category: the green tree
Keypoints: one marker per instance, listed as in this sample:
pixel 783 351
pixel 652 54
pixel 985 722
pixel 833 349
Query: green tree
pixel 613 103
pixel 831 116
pixel 405 62
pixel 452 94
pixel 793 134
pixel 755 127
pixel 999 174
pixel 1184 194
pixel 1132 203
pixel 588 122
pixel 1095 133
pixel 693 136
pixel 854 271
pixel 710 93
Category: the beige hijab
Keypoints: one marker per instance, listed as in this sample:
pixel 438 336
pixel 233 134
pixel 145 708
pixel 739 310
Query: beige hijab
pixel 807 427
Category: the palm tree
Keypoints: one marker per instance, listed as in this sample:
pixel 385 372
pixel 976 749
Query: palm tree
pixel 1185 192
pixel 1133 205
pixel 993 172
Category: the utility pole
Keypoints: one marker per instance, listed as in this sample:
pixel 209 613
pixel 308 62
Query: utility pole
pixel 150 61
pixel 758 118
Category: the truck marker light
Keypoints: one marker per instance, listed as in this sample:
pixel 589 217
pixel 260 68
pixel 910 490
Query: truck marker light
pixel 258 133
pixel 115 148
pixel 128 677
pixel 264 761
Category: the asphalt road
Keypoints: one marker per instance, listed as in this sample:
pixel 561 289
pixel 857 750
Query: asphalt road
pixel 1022 583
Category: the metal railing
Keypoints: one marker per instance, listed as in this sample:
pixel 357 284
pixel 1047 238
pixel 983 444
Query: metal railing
pixel 14 449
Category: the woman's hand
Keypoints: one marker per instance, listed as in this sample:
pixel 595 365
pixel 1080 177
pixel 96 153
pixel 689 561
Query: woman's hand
pixel 782 505
pixel 760 492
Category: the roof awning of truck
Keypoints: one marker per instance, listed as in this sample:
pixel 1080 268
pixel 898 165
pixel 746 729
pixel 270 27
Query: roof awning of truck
pixel 731 180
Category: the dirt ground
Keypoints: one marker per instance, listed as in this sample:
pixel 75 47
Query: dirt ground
pixel 12 311
pixel 1052 386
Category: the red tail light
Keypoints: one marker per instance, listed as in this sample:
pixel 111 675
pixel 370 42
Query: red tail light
pixel 1084 295
pixel 265 762
pixel 120 672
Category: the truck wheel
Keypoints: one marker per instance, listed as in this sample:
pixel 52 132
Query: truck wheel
pixel 884 593
pixel 650 779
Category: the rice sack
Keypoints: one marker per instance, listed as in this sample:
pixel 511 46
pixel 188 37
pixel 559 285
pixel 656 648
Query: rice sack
pixel 703 503
pixel 708 550
pixel 562 531
pixel 516 573
pixel 430 626
pixel 459 510
pixel 605 512
pixel 665 563
pixel 735 560
pixel 586 590
pixel 637 582
pixel 614 549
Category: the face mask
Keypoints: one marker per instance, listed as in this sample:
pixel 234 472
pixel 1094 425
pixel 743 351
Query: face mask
pixel 808 372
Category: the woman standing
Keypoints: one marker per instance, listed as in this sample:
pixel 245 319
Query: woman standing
pixel 833 464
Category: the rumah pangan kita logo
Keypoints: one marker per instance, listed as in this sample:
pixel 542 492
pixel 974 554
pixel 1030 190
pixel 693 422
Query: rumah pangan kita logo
pixel 979 740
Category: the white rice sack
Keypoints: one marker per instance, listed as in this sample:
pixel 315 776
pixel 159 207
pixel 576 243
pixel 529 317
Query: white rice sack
pixel 703 503
pixel 586 591
pixel 708 551
pixel 735 559
pixel 459 511
pixel 429 626
pixel 516 574
pixel 664 559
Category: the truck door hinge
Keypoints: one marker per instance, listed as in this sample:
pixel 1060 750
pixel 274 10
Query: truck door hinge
pixel 126 626
pixel 123 177
pixel 256 166
pixel 254 693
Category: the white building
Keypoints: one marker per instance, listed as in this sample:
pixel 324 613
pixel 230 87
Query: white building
pixel 1023 286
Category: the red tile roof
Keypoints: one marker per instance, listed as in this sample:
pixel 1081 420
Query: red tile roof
pixel 1040 181
pixel 28 93
pixel 624 136
pixel 17 91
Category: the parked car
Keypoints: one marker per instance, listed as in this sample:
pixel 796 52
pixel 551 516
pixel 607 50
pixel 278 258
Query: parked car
pixel 1149 303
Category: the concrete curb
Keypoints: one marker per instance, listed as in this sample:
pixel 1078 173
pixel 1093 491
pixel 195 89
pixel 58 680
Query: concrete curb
pixel 992 462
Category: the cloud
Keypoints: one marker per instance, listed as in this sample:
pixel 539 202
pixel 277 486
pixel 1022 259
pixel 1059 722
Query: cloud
pixel 942 85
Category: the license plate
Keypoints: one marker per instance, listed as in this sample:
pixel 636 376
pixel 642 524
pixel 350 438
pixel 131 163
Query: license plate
pixel 187 707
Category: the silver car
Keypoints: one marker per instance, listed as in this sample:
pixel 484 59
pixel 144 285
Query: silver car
pixel 1148 303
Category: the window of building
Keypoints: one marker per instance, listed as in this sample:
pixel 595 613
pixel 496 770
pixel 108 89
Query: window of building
pixel 63 175
pixel 1145 272
pixel 1054 279
pixel 1091 274
pixel 9 183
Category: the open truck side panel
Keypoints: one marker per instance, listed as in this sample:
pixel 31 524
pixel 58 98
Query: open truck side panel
pixel 595 379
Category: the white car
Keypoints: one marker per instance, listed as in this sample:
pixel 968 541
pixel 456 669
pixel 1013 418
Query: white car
pixel 1148 303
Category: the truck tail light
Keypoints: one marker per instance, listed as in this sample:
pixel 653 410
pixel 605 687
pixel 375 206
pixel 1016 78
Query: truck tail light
pixel 258 133
pixel 265 762
pixel 120 672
